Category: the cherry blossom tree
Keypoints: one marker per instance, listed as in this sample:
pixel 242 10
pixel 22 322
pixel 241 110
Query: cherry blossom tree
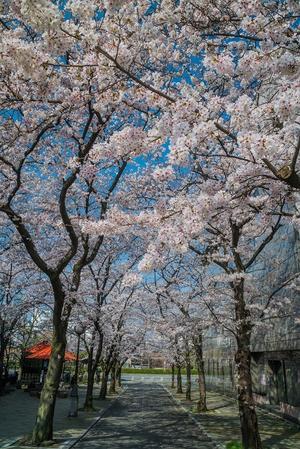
pixel 75 89
pixel 233 123
pixel 230 226
pixel 118 330
pixel 229 222
pixel 21 292
pixel 176 286
pixel 223 130
pixel 92 91
pixel 110 271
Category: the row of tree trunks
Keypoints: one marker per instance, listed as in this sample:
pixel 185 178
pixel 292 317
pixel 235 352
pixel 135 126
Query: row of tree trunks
pixel 114 368
pixel 248 418
pixel 198 350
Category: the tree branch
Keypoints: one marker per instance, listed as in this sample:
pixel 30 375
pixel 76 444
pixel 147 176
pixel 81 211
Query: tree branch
pixel 26 239
pixel 263 244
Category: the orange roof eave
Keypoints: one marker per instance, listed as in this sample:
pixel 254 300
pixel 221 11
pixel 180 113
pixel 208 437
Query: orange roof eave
pixel 42 351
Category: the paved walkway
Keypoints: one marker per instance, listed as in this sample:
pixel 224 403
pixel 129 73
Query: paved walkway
pixel 145 417
pixel 18 411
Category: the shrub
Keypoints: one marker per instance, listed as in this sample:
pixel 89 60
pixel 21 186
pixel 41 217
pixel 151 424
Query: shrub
pixel 234 445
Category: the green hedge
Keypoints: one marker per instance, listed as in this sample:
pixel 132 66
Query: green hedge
pixel 152 371
pixel 234 445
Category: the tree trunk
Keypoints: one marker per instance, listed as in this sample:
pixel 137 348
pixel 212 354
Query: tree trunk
pixel 179 380
pixel 104 382
pixel 173 376
pixel 201 403
pixel 248 418
pixel 4 341
pixel 119 375
pixel 231 374
pixel 92 368
pixel 2 366
pixel 188 390
pixel 112 386
pixel 88 403
pixel 43 428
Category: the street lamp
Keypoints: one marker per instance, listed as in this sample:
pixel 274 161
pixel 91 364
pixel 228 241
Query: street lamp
pixel 73 412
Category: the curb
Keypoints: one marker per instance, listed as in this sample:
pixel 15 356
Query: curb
pixel 289 422
pixel 180 406
pixel 9 442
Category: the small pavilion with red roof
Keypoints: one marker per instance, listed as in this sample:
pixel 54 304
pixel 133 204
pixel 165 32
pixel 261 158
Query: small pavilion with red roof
pixel 36 360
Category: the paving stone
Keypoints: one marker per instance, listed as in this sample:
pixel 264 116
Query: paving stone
pixel 144 417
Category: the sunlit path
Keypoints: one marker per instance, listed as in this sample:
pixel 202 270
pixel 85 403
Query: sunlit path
pixel 145 417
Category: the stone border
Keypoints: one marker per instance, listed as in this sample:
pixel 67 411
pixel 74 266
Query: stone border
pixel 279 415
pixel 9 442
pixel 180 406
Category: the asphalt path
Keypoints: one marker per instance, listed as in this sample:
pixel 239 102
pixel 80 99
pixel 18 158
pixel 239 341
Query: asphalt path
pixel 145 417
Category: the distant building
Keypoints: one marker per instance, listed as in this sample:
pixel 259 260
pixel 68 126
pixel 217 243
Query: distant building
pixel 147 360
pixel 275 350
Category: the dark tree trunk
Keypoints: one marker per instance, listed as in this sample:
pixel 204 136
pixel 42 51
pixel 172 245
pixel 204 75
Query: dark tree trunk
pixel 248 418
pixel 179 380
pixel 3 345
pixel 43 428
pixel 173 376
pixel 2 349
pixel 119 375
pixel 92 368
pixel 112 386
pixel 104 382
pixel 107 366
pixel 201 403
pixel 88 403
pixel 188 390
pixel 231 374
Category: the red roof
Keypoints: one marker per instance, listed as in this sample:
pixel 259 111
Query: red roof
pixel 42 351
